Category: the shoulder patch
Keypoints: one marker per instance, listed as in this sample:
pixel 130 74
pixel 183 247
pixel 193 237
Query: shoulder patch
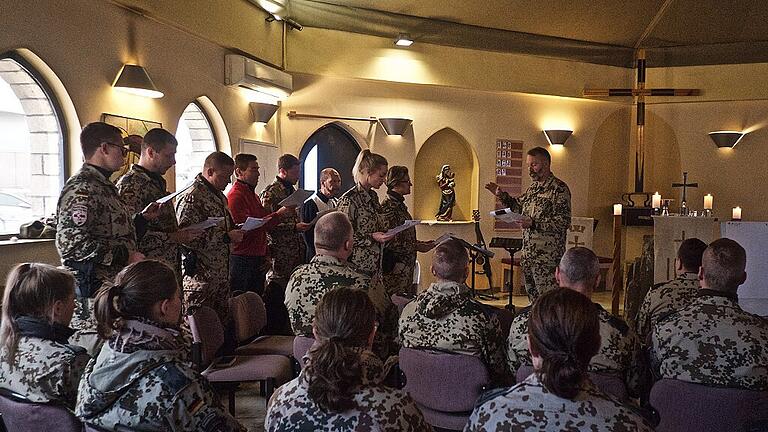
pixel 173 377
pixel 79 214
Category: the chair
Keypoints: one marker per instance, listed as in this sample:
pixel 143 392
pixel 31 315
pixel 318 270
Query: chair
pixel 505 317
pixel 685 406
pixel 301 345
pixel 608 383
pixel 444 385
pixel 208 337
pixel 250 318
pixel 400 301
pixel 21 414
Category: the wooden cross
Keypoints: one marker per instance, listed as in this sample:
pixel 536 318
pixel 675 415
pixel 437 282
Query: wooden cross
pixel 685 185
pixel 575 242
pixel 639 93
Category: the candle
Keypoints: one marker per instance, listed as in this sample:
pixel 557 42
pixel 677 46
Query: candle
pixel 736 213
pixel 617 209
pixel 656 200
pixel 708 202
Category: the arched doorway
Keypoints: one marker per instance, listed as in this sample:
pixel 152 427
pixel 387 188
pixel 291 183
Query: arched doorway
pixel 330 146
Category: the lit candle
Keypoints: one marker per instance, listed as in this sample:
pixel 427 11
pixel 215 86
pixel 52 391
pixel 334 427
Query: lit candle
pixel 708 202
pixel 736 213
pixel 617 209
pixel 656 200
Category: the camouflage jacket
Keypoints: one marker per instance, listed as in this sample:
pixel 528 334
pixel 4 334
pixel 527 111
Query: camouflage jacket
pixel 529 406
pixel 140 381
pixel 446 317
pixel 548 203
pixel 713 341
pixel 617 354
pixel 93 227
pixel 44 370
pixel 138 188
pixel 364 211
pixel 311 281
pixel 379 408
pixel 401 250
pixel 286 245
pixel 663 300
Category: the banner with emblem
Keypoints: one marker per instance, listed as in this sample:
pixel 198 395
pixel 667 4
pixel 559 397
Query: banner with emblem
pixel 580 233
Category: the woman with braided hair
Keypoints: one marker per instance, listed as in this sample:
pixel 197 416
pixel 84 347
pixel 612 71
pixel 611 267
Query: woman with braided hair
pixel 341 386
pixel 563 335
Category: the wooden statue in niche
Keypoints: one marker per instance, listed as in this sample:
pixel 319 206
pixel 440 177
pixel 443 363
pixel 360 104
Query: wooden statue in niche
pixel 447 184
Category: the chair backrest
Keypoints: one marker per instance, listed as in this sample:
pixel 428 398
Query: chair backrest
pixel 400 302
pixel 443 381
pixel 248 314
pixel 505 320
pixel 208 332
pixel 22 415
pixel 301 345
pixel 685 406
pixel 610 384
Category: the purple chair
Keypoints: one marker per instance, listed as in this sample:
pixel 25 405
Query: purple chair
pixel 610 384
pixel 400 302
pixel 444 385
pixel 250 317
pixel 20 414
pixel 301 346
pixel 208 337
pixel 685 406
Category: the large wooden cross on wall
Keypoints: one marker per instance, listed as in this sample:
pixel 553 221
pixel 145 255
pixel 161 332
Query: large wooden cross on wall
pixel 639 93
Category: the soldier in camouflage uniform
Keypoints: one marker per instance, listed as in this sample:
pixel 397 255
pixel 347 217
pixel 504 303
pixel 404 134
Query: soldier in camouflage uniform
pixel 446 317
pixel 564 335
pixel 95 233
pixel 206 266
pixel 713 341
pixel 340 388
pixel 329 270
pixel 669 297
pixel 546 205
pixel 142 185
pixel 36 359
pixel 400 252
pixel 579 270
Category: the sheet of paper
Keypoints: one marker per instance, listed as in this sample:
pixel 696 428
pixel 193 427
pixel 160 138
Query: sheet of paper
pixel 444 237
pixel 208 223
pixel 297 198
pixel 173 195
pixel 507 215
pixel 321 214
pixel 408 224
pixel 252 223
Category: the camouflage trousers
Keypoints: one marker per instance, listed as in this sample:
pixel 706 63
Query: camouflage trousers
pixel 84 324
pixel 213 294
pixel 400 279
pixel 284 261
pixel 539 274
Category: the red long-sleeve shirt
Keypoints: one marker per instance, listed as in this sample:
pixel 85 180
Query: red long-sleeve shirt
pixel 244 202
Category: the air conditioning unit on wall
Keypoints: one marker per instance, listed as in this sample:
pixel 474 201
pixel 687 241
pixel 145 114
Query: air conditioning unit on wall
pixel 251 74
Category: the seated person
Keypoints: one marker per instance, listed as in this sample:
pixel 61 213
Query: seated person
pixel 669 297
pixel 36 360
pixel 328 270
pixel 340 387
pixel 446 317
pixel 141 378
pixel 579 270
pixel 564 334
pixel 713 341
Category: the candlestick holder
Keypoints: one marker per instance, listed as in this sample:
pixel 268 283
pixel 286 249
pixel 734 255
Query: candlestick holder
pixel 707 212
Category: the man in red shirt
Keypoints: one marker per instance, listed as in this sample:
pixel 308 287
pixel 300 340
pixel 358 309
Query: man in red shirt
pixel 248 263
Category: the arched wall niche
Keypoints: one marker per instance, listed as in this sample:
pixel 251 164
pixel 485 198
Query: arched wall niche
pixel 446 146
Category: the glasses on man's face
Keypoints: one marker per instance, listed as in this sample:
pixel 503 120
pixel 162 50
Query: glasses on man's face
pixel 123 149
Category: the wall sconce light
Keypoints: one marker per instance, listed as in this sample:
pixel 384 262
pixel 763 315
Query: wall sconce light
pixel 726 139
pixel 135 80
pixel 404 40
pixel 395 126
pixel 557 136
pixel 262 112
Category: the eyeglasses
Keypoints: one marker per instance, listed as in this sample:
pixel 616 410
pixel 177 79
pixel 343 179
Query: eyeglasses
pixel 124 150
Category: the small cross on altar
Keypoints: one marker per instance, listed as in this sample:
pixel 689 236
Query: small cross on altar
pixel 685 185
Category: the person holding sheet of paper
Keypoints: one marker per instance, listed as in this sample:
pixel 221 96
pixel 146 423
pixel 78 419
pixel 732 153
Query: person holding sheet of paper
pixel 248 264
pixel 400 253
pixel 546 205
pixel 322 200
pixel 144 184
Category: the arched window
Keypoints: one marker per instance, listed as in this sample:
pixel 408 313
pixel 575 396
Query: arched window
pixel 31 145
pixel 196 141
pixel 331 146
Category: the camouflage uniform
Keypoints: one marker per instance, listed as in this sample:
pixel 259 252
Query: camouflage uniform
pixel 364 211
pixel 528 406
pixel 207 284
pixel 310 282
pixel 44 370
pixel 617 354
pixel 141 381
pixel 94 236
pixel 379 408
pixel 286 245
pixel 445 316
pixel 663 300
pixel 138 188
pixel 713 341
pixel 548 203
pixel 401 250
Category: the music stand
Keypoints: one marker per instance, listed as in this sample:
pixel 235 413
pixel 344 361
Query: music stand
pixel 474 253
pixel 512 245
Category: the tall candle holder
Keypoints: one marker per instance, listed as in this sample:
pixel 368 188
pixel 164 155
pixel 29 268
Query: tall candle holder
pixel 617 279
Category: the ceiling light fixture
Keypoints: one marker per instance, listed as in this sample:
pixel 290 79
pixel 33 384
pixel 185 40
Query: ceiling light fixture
pixel 404 40
pixel 557 137
pixel 726 139
pixel 134 79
